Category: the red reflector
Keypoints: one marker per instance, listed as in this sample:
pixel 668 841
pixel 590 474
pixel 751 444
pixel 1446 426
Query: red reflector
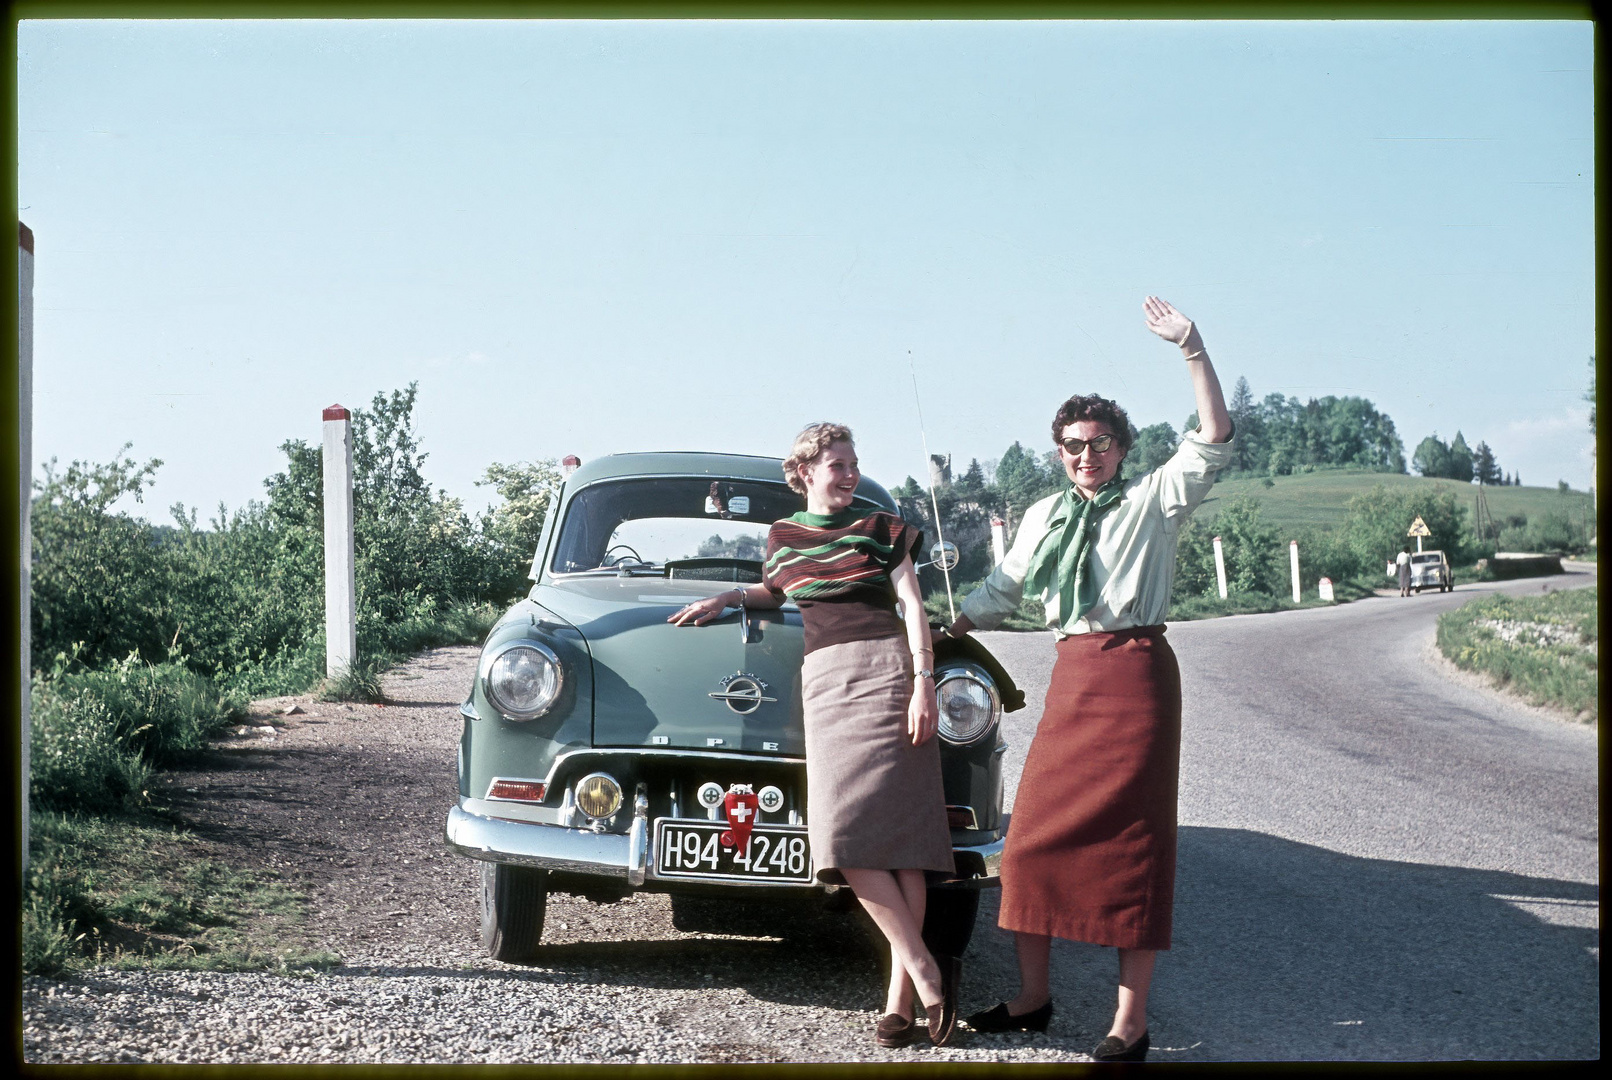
pixel 960 817
pixel 516 790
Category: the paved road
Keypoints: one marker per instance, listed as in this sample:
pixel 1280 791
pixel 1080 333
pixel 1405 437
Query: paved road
pixel 1378 861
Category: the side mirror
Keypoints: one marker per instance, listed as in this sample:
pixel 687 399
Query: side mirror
pixel 944 555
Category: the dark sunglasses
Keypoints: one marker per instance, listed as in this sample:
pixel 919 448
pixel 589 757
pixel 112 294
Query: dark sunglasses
pixel 1102 444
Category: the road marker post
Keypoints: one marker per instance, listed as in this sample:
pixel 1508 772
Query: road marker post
pixel 1220 568
pixel 1293 555
pixel 341 615
pixel 998 540
pixel 25 437
pixel 1326 590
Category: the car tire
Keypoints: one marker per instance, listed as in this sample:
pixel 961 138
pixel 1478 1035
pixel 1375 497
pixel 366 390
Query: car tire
pixel 514 900
pixel 949 914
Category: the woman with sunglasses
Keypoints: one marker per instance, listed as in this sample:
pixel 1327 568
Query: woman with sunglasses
pixel 1090 852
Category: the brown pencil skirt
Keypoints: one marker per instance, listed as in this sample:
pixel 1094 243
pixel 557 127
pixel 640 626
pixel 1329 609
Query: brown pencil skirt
pixel 873 800
pixel 1090 852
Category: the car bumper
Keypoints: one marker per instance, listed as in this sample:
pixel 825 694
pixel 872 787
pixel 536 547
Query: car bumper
pixel 627 857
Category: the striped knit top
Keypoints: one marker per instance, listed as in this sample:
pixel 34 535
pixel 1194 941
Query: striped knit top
pixel 837 568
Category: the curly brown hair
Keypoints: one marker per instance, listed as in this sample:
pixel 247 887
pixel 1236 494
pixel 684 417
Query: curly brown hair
pixel 1092 407
pixel 809 444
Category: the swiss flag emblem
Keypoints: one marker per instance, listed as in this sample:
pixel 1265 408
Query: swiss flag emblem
pixel 742 808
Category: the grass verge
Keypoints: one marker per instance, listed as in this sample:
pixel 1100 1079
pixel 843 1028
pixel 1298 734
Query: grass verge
pixel 1544 647
pixel 137 892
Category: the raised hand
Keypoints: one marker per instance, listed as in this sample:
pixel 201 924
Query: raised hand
pixel 1167 322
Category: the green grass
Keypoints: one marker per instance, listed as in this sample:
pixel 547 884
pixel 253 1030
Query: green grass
pixel 1321 499
pixel 137 892
pixel 1544 647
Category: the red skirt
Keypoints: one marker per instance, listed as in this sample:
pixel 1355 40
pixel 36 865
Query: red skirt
pixel 1090 853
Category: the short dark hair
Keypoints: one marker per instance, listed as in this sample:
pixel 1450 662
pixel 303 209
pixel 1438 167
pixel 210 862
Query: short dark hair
pixel 1092 407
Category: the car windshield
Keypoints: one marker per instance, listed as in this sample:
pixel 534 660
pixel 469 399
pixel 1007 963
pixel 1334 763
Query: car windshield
pixel 676 526
pixel 1429 558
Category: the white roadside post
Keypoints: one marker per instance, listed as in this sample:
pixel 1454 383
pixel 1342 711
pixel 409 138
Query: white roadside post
pixel 998 540
pixel 341 615
pixel 1325 589
pixel 1220 568
pixel 1293 556
pixel 25 425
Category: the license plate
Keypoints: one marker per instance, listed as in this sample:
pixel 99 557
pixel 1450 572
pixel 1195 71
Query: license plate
pixel 777 854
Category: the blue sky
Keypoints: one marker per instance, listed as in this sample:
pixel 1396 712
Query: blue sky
pixel 589 237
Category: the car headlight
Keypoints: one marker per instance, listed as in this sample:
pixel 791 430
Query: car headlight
pixel 598 795
pixel 968 705
pixel 524 681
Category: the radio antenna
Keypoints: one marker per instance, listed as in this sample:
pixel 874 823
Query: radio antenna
pixel 951 605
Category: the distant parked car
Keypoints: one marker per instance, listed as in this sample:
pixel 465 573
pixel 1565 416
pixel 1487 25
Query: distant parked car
pixel 1431 570
pixel 606 751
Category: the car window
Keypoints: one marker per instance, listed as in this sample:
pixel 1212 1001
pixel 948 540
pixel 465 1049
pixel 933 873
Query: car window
pixel 660 520
pixel 1424 558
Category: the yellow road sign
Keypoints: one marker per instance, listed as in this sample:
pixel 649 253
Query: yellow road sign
pixel 1419 528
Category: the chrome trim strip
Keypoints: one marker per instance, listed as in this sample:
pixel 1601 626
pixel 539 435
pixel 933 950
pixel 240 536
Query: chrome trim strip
pixel 640 751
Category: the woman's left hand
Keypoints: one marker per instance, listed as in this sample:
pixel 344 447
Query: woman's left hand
pixel 923 717
pixel 1167 322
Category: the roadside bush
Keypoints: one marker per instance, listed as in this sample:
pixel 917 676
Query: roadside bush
pixel 97 735
pixel 1546 647
pixel 77 761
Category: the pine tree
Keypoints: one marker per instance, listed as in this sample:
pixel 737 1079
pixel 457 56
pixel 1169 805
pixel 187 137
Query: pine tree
pixel 1460 460
pixel 1484 466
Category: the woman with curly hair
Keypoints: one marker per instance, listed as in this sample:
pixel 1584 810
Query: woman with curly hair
pixel 1090 850
pixel 876 808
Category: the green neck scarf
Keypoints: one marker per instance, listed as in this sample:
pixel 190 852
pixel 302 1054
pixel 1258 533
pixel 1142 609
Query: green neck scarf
pixel 1060 560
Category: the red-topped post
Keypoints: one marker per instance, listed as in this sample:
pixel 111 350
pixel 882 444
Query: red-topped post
pixel 998 540
pixel 341 599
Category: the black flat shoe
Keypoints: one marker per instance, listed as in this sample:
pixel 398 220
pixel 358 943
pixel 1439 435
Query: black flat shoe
pixel 1113 1048
pixel 998 1018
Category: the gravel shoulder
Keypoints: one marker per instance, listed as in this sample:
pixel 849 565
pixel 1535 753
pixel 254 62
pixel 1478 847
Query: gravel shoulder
pixel 346 804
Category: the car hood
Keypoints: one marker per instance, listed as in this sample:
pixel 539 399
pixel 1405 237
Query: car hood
pixel 653 681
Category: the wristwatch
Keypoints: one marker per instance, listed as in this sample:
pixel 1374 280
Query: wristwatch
pixel 923 673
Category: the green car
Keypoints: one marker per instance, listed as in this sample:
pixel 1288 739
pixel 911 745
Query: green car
pixel 605 749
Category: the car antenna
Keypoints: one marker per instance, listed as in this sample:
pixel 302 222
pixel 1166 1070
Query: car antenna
pixel 933 501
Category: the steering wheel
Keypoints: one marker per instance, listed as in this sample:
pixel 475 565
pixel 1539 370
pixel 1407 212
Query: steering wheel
pixel 608 561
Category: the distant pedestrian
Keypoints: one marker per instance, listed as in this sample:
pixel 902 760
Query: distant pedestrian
pixel 1402 560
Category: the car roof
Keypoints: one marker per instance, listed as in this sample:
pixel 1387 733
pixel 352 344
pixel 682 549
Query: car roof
pixel 699 463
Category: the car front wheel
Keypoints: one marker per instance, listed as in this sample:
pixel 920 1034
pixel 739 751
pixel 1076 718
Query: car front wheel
pixel 513 902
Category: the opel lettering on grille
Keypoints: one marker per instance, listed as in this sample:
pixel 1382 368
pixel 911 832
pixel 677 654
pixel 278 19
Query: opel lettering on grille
pixel 742 692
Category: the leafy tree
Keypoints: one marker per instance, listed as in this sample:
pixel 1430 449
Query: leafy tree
pixel 511 530
pixel 1152 447
pixel 97 577
pixel 1432 457
pixel 1379 519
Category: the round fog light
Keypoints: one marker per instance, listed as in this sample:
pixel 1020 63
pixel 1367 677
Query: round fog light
pixel 598 795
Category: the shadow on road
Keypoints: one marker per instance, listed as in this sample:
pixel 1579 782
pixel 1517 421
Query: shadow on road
pixel 1288 951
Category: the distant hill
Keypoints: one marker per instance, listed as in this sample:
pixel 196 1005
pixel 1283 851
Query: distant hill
pixel 1322 498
